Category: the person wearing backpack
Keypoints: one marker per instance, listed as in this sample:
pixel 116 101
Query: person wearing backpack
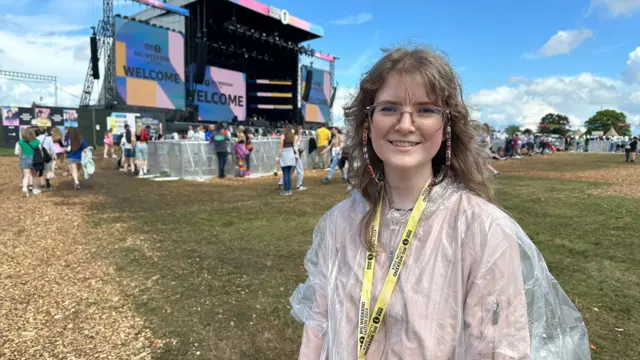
pixel 76 147
pixel 48 153
pixel 29 146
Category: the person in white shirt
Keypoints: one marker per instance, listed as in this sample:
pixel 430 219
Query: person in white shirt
pixel 201 135
pixel 190 133
pixel 47 143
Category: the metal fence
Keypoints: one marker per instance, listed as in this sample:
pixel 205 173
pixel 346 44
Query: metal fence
pixel 595 146
pixel 198 159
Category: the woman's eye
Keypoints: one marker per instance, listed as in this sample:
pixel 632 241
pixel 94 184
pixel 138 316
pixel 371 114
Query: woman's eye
pixel 427 110
pixel 388 109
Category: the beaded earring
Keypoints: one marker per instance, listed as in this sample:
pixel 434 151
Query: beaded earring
pixel 365 152
pixel 447 165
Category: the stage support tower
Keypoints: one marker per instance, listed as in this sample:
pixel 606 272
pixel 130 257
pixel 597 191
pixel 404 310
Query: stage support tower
pixel 105 32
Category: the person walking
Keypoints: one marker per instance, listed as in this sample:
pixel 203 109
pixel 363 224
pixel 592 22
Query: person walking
pixel 76 147
pixel 287 158
pixel 28 146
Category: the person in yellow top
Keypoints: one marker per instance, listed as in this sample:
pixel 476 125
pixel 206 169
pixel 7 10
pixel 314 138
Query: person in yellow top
pixel 323 135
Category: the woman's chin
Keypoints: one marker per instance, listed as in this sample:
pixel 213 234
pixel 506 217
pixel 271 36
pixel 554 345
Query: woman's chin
pixel 405 163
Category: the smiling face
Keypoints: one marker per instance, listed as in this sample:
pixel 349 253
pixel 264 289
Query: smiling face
pixel 406 128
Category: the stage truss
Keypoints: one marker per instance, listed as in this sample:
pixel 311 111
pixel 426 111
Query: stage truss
pixel 105 33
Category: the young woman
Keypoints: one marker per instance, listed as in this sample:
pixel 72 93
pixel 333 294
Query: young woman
pixel 27 147
pixel 127 144
pixel 108 144
pixel 74 154
pixel 143 135
pixel 337 143
pixel 58 147
pixel 287 158
pixel 249 146
pixel 241 153
pixel 418 263
pixel 46 142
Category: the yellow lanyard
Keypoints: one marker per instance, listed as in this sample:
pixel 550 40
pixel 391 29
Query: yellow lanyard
pixel 369 323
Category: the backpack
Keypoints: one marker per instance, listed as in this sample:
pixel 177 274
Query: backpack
pixel 38 160
pixel 45 153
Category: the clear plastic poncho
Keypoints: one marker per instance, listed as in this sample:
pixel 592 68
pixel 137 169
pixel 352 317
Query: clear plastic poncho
pixel 473 287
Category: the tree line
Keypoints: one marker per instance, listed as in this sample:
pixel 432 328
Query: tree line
pixel 559 124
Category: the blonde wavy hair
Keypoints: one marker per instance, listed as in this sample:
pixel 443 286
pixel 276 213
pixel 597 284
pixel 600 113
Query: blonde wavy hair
pixel 468 160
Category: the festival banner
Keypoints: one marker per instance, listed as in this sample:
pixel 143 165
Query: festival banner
pixel 70 118
pixel 117 120
pixel 24 115
pixel 316 109
pixel 10 116
pixel 222 96
pixel 11 124
pixel 11 134
pixel 149 65
pixel 42 117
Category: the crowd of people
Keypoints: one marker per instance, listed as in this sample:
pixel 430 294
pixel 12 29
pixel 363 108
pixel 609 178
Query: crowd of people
pixel 326 146
pixel 42 151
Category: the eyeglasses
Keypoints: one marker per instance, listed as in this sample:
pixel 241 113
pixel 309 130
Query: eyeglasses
pixel 429 118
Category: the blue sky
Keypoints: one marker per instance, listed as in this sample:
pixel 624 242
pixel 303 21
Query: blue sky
pixel 517 60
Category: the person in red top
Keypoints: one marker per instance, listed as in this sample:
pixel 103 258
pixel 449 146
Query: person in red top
pixel 516 145
pixel 142 150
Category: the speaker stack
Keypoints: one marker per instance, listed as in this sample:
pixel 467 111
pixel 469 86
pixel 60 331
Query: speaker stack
pixel 201 61
pixel 95 68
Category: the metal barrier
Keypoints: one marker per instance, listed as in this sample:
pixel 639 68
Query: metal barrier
pixel 198 159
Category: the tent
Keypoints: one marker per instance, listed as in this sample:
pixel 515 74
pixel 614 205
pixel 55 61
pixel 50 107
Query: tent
pixel 611 132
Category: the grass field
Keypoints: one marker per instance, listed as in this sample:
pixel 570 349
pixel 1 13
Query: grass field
pixel 205 270
pixel 7 152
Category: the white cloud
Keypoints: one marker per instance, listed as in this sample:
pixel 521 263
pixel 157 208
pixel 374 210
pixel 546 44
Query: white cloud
pixel 23 94
pixel 47 43
pixel 361 18
pixel 343 97
pixel 474 113
pixel 631 74
pixel 616 8
pixel 564 42
pixel 63 56
pixel 578 97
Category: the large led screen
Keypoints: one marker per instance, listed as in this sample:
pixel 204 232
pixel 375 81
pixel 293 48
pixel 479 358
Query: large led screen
pixel 316 109
pixel 149 66
pixel 222 96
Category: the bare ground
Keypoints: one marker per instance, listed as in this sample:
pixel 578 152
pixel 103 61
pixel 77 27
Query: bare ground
pixel 57 300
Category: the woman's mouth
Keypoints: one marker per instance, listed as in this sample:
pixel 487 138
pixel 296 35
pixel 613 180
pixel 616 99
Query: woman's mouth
pixel 404 144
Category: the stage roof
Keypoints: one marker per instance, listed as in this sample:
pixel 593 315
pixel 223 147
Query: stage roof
pixel 281 15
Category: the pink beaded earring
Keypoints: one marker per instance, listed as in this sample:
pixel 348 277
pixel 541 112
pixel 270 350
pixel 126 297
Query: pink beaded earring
pixel 447 165
pixel 365 153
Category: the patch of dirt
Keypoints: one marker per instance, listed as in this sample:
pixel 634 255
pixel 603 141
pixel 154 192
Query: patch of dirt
pixel 57 301
pixel 231 180
pixel 622 179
